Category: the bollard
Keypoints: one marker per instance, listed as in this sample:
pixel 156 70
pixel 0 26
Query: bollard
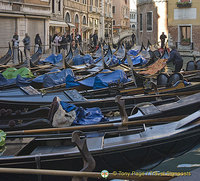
pixel 36 48
pixel 63 58
pixel 15 55
pixel 53 48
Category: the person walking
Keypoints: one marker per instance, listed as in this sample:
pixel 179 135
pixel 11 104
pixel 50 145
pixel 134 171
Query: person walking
pixel 27 42
pixel 176 58
pixel 133 38
pixel 162 38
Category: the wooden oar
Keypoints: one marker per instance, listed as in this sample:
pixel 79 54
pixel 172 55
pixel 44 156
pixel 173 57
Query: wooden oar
pixel 115 175
pixel 99 126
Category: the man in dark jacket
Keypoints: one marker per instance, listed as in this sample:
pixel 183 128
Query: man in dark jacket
pixel 176 58
pixel 38 40
pixel 162 38
pixel 95 39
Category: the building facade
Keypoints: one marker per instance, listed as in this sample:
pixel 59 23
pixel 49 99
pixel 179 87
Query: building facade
pixel 152 20
pixel 23 16
pixel 76 17
pixel 184 23
pixel 133 19
pixel 121 16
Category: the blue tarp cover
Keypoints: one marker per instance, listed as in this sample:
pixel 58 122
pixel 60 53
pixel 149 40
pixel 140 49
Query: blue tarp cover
pixel 139 60
pixel 79 60
pixel 53 59
pixel 19 81
pixel 133 52
pixel 84 116
pixel 101 80
pixel 53 79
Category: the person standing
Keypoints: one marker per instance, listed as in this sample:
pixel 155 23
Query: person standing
pixel 15 39
pixel 38 42
pixel 27 42
pixel 133 38
pixel 162 38
pixel 95 39
pixel 176 58
pixel 57 41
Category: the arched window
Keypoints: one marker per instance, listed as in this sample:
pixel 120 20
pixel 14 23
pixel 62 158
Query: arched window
pixel 67 18
pixel 133 26
pixel 84 20
pixel 76 19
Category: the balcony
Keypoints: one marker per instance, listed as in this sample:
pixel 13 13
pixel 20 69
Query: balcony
pixel 184 4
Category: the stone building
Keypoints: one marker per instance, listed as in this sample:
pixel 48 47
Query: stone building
pixel 152 20
pixel 56 23
pixel 23 16
pixel 184 23
pixel 133 19
pixel 121 16
pixel 76 17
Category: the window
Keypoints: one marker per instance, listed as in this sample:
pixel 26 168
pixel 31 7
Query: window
pixel 125 1
pixel 113 9
pixel 59 5
pixel 149 21
pixel 96 3
pixel 141 23
pixel 53 6
pixel 84 1
pixel 185 34
pixel 91 2
pixel 67 18
pixel 133 26
pixel 84 20
pixel 76 19
pixel 113 22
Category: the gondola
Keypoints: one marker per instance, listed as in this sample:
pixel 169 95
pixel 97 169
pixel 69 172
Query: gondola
pixel 117 150
pixel 34 59
pixel 135 107
pixel 7 57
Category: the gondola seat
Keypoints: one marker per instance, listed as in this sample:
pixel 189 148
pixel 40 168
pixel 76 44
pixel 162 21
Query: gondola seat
pixel 191 66
pixel 174 78
pixel 162 79
pixel 198 65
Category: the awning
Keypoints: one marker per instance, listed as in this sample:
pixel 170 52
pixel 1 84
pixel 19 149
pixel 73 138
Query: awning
pixel 58 23
pixel 70 24
pixel 86 28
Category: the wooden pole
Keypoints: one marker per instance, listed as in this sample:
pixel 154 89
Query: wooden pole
pixel 96 175
pixel 98 126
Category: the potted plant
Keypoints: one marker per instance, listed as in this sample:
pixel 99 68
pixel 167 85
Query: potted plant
pixel 185 4
pixel 185 41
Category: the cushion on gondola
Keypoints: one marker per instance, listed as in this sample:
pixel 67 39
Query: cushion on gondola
pixel 191 65
pixel 198 65
pixel 162 79
pixel 174 78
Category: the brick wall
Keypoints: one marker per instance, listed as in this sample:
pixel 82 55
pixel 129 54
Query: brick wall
pixel 196 37
pixel 144 36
